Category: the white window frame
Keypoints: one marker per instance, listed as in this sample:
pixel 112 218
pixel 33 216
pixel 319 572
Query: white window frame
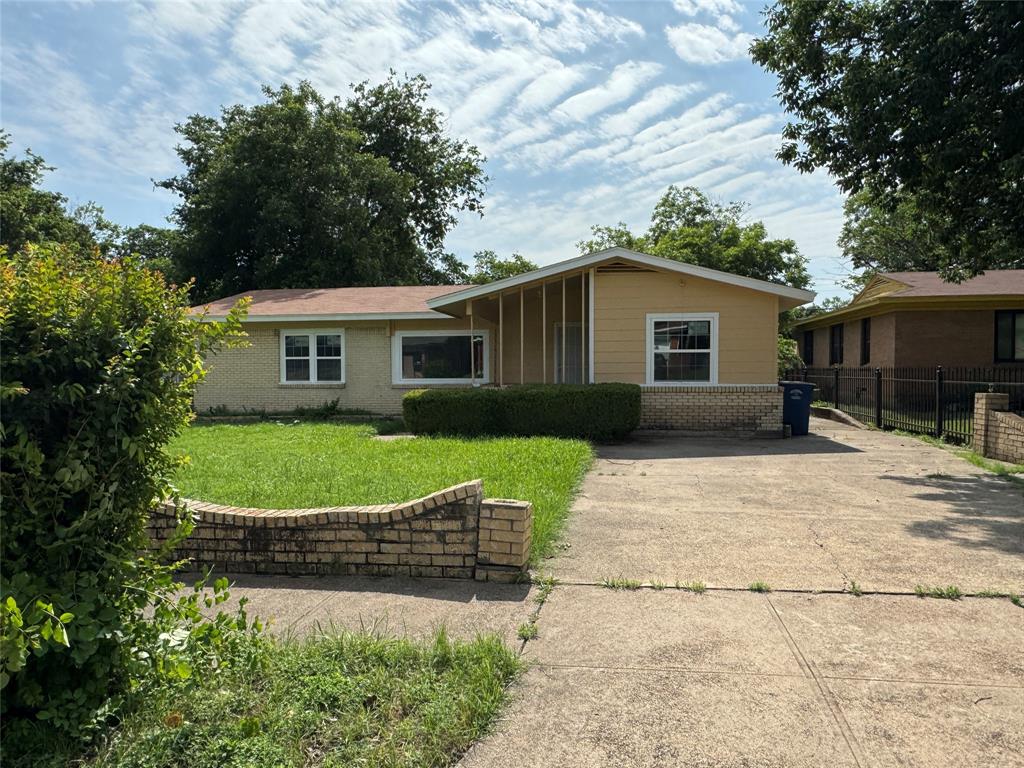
pixel 312 333
pixel 711 317
pixel 396 358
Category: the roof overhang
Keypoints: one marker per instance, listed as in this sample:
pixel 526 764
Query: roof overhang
pixel 888 303
pixel 788 297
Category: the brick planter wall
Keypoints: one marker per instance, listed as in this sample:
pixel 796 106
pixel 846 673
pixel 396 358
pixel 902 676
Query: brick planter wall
pixel 454 533
pixel 713 409
pixel 998 434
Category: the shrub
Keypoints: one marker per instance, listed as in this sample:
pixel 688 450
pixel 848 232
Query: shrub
pixel 598 412
pixel 101 359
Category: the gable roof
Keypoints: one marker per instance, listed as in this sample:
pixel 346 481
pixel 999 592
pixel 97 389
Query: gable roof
pixel 789 297
pixel 887 291
pixel 363 303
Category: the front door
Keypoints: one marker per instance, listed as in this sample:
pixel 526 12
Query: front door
pixel 569 336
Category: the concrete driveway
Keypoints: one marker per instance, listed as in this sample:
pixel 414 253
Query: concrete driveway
pixel 841 505
pixel 802 676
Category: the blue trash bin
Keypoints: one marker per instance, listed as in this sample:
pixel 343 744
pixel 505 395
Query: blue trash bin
pixel 796 405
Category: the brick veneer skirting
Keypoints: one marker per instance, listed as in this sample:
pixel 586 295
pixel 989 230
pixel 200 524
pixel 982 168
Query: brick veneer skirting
pixel 998 433
pixel 454 533
pixel 727 408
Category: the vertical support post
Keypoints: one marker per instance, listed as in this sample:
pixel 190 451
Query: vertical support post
pixel 835 387
pixel 501 340
pixel 803 374
pixel 940 402
pixel 544 332
pixel 522 348
pixel 583 325
pixel 878 398
pixel 563 332
pixel 472 346
pixel 590 336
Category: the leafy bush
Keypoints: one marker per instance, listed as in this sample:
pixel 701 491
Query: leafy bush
pixel 101 359
pixel 594 411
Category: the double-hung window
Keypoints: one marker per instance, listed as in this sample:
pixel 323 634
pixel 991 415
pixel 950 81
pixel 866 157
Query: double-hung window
pixel 440 357
pixel 865 341
pixel 808 348
pixel 682 348
pixel 1010 336
pixel 835 344
pixel 313 357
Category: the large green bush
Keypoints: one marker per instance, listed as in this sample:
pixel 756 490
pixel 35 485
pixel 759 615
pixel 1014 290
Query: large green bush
pixel 100 362
pixel 593 411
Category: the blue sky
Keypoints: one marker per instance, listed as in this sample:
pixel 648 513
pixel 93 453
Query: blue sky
pixel 586 112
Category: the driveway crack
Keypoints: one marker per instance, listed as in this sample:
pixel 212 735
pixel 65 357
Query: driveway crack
pixel 810 670
pixel 847 581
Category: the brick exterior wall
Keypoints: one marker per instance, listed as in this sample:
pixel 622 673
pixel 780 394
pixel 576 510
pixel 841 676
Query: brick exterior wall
pixel 998 434
pixel 454 533
pixel 715 408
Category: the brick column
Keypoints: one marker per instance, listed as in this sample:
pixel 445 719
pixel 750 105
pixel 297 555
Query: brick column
pixel 984 404
pixel 503 550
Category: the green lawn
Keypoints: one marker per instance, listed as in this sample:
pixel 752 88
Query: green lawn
pixel 332 701
pixel 303 465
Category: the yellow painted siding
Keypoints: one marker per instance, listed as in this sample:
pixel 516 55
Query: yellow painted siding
pixel 747 324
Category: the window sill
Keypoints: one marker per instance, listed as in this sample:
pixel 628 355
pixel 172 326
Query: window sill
pixel 308 385
pixel 439 385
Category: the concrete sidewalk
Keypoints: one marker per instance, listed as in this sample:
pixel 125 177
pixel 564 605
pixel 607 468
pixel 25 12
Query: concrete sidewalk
pixel 667 678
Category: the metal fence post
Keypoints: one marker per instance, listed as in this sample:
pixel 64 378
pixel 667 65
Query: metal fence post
pixel 878 397
pixel 835 386
pixel 803 374
pixel 940 402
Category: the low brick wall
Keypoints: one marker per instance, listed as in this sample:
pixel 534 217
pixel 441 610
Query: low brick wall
pixel 998 434
pixel 712 409
pixel 454 533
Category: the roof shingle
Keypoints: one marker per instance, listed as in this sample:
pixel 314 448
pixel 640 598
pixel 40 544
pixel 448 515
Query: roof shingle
pixel 290 302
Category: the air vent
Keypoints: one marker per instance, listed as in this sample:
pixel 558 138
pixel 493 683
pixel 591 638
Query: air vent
pixel 619 266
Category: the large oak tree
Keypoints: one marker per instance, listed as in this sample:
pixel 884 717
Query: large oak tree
pixel 305 191
pixel 918 103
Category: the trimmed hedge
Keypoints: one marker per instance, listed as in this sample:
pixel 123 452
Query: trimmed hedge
pixel 598 412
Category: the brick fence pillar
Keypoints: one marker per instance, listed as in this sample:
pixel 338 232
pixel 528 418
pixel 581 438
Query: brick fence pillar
pixel 503 550
pixel 984 404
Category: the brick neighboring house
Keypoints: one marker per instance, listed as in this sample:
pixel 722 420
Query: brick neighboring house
pixel 915 319
pixel 701 343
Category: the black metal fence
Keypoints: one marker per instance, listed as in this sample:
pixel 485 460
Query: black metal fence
pixel 931 401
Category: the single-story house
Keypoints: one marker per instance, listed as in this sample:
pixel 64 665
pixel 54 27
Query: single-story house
pixel 915 319
pixel 701 343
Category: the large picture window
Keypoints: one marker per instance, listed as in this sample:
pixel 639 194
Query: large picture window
pixel 1010 336
pixel 312 357
pixel 682 349
pixel 440 357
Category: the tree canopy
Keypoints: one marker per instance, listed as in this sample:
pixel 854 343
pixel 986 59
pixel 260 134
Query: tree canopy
pixel 919 103
pixel 35 215
pixel 307 191
pixel 689 226
pixel 489 267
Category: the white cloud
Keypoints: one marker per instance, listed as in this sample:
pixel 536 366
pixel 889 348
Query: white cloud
pixel 703 44
pixel 651 105
pixel 549 87
pixel 622 83
pixel 693 7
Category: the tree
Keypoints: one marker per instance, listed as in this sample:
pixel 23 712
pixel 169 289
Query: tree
pixel 489 267
pixel 902 237
pixel 304 191
pixel 34 215
pixel 916 102
pixel 157 247
pixel 687 225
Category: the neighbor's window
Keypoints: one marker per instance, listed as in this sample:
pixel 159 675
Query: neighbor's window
pixel 439 357
pixel 682 349
pixel 865 341
pixel 808 348
pixel 835 345
pixel 313 357
pixel 1010 336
